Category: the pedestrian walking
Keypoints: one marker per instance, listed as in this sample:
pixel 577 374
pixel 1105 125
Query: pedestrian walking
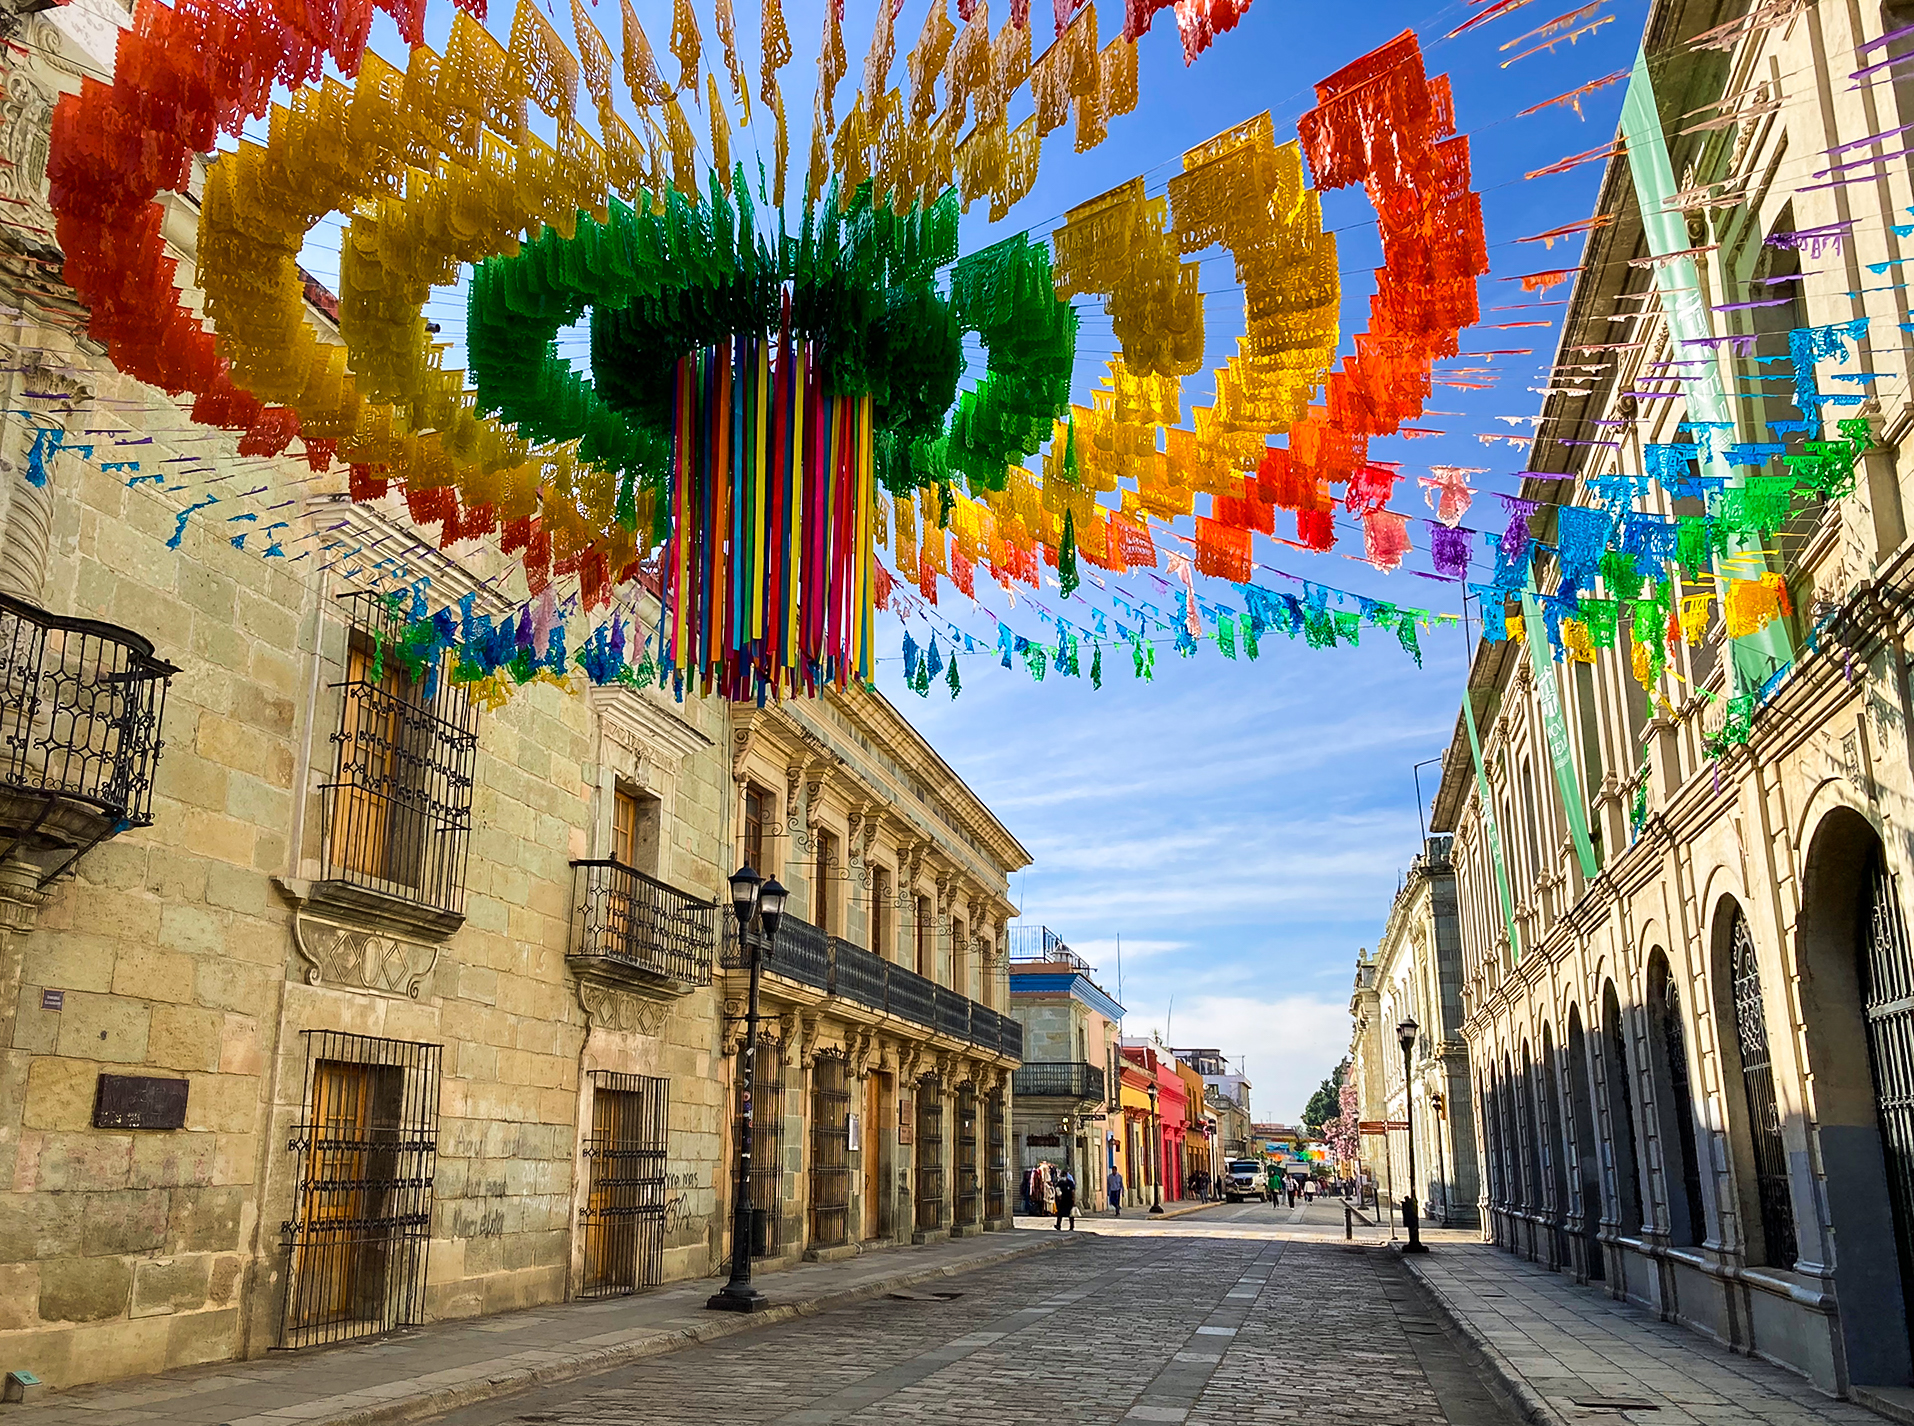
pixel 1067 1200
pixel 1309 1190
pixel 1113 1186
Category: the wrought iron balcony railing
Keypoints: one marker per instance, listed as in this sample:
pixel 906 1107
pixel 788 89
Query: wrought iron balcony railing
pixel 1040 945
pixel 80 709
pixel 997 1028
pixel 805 954
pixel 1070 1080
pixel 623 918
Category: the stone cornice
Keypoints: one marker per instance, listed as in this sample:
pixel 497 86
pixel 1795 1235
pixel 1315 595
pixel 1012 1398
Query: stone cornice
pixel 929 806
pixel 647 715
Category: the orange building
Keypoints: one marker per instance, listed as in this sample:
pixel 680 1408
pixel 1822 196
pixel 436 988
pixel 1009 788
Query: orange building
pixel 1157 1132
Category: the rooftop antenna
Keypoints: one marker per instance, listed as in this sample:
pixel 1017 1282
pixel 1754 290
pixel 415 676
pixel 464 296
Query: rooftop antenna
pixel 1168 1016
pixel 1119 967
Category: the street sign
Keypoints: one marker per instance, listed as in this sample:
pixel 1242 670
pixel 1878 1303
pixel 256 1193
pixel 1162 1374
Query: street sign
pixel 1380 1126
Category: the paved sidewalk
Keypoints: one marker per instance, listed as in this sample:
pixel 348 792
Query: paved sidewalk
pixel 1574 1354
pixel 426 1371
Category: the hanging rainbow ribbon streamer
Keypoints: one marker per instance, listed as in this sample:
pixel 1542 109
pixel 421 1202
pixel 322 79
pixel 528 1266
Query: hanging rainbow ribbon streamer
pixel 769 578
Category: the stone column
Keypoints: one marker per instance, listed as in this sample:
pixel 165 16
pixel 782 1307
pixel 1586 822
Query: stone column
pixel 20 902
pixel 25 541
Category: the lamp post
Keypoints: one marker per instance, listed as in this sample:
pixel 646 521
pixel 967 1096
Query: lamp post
pixel 1406 1034
pixel 752 899
pixel 1155 1147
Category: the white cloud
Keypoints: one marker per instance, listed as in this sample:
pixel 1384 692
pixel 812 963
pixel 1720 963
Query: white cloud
pixel 1105 952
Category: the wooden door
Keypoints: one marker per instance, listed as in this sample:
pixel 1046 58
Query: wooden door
pixel 612 1266
pixel 877 1157
pixel 334 1200
pixel 368 736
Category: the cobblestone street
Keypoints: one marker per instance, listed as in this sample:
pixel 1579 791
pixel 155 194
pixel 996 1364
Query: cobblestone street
pixel 1230 1315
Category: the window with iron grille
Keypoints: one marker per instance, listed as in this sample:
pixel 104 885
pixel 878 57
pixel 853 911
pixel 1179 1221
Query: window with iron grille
pixel 1887 997
pixel 368 1145
pixel 399 806
pixel 930 1155
pixel 1773 1194
pixel 767 1147
pixel 623 1216
pixel 830 1151
pixel 968 1178
pixel 997 1181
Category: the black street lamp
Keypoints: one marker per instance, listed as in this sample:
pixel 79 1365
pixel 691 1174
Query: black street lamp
pixel 754 900
pixel 1156 1152
pixel 1406 1033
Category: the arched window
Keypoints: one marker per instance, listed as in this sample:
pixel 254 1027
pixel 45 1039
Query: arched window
pixel 1552 1137
pixel 1674 1104
pixel 1588 1169
pixel 1492 1137
pixel 1512 1140
pixel 1533 1152
pixel 1621 1114
pixel 1757 1084
pixel 1856 960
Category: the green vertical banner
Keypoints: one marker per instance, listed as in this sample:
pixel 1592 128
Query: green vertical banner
pixel 1753 657
pixel 1488 825
pixel 1556 730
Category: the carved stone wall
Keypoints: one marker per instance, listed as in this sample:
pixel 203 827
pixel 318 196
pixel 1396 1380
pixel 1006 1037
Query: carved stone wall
pixel 358 958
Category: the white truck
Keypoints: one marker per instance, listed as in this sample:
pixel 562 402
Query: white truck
pixel 1244 1178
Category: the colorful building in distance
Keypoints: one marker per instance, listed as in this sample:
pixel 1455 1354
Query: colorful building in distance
pixel 1067 1112
pixel 1164 1127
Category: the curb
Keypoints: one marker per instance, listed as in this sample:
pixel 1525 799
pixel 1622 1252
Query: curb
pixel 428 1404
pixel 1486 1357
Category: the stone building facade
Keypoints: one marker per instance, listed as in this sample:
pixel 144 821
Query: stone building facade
pixel 1688 1066
pixel 1067 1090
pixel 1416 974
pixel 331 1002
pixel 887 992
pixel 1225 1100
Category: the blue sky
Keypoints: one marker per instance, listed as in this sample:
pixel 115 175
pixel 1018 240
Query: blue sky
pixel 1241 826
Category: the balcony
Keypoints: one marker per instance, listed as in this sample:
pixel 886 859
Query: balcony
pixel 80 709
pixel 806 955
pixel 635 928
pixel 1069 1080
pixel 1039 945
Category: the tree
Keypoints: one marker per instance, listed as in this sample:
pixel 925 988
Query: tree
pixel 1342 1133
pixel 1326 1103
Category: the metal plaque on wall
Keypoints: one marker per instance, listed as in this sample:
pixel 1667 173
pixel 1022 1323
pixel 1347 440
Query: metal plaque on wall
pixel 127 1101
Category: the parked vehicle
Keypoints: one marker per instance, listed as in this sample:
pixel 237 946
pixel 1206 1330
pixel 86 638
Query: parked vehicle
pixel 1244 1180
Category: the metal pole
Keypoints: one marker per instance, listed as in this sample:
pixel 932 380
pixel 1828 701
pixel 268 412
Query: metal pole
pixel 1414 1245
pixel 738 1295
pixel 1156 1142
